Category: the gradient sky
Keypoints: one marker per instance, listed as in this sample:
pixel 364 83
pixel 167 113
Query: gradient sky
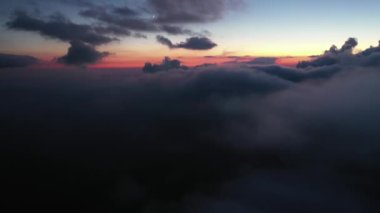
pixel 259 28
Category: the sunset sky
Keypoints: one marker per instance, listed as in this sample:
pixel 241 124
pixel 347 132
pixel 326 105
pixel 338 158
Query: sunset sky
pixel 190 106
pixel 257 28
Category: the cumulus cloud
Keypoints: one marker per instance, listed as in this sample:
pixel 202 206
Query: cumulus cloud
pixel 331 56
pixel 81 54
pixel 371 50
pixel 12 61
pixel 166 65
pixel 193 43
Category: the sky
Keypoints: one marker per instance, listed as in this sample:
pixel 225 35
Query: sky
pixel 190 106
pixel 256 28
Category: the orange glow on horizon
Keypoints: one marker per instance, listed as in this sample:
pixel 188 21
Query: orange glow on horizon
pixel 194 61
pixel 191 61
pixel 291 61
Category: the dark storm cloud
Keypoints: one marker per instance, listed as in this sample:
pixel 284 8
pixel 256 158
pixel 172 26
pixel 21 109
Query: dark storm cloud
pixel 231 138
pixel 188 11
pixel 81 54
pixel 58 27
pixel 13 61
pixel 193 43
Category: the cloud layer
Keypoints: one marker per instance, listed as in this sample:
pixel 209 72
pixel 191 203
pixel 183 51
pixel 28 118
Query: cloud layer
pixel 13 61
pixel 234 138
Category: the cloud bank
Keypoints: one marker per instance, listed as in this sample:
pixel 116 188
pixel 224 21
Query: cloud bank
pixel 13 61
pixel 234 138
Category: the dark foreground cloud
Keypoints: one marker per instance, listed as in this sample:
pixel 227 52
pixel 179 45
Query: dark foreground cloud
pixel 232 138
pixel 81 54
pixel 193 43
pixel 10 61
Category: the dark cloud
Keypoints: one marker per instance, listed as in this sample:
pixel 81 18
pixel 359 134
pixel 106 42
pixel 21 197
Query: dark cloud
pixel 296 75
pixel 125 11
pixel 264 61
pixel 188 11
pixel 165 41
pixel 232 138
pixel 371 50
pixel 81 54
pixel 318 62
pixel 58 27
pixel 114 30
pixel 12 61
pixel 193 43
pixel 129 22
pixel 175 30
pixel 157 16
pixel 349 45
pixel 327 65
pixel 332 56
pixel 166 65
pixel 110 21
pixel 124 17
pixel 197 43
pixel 85 3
